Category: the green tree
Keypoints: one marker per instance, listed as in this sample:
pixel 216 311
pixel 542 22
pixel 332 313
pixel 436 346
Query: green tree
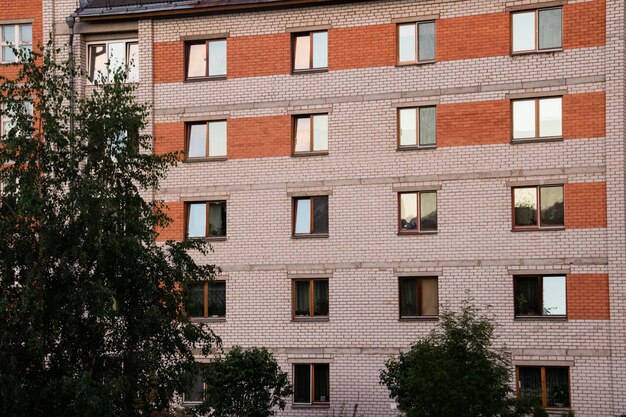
pixel 455 372
pixel 90 316
pixel 244 383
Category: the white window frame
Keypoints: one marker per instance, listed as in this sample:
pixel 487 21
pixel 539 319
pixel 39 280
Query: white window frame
pixel 18 40
pixel 107 43
pixel 6 119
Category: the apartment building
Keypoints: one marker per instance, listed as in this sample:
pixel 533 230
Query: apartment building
pixel 360 166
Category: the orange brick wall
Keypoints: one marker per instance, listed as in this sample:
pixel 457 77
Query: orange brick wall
pixel 473 36
pixel 169 62
pixel 259 137
pixel 254 56
pixel 475 123
pixel 585 205
pixel 584 115
pixel 23 9
pixel 169 137
pixel 364 46
pixel 176 229
pixel 584 24
pixel 588 297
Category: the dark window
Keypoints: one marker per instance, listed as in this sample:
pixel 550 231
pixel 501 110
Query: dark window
pixel 195 393
pixel 206 219
pixel 417 126
pixel 526 201
pixel 311 383
pixel 537 30
pixel 310 216
pixel 206 139
pixel 310 297
pixel 206 59
pixel 549 386
pixel 416 42
pixel 206 300
pixel 419 297
pixel 542 295
pixel 310 51
pixel 310 134
pixel 418 212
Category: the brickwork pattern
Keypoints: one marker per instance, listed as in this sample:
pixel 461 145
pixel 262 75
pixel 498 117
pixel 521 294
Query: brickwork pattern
pixel 588 297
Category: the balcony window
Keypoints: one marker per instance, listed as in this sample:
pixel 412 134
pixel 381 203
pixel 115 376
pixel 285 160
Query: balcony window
pixel 107 57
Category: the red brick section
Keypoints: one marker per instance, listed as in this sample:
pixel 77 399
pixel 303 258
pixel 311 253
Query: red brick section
pixel 473 36
pixel 584 24
pixel 584 115
pixel 475 123
pixel 585 205
pixel 588 297
pixel 259 137
pixel 168 62
pixel 18 10
pixel 363 46
pixel 176 229
pixel 169 137
pixel 259 55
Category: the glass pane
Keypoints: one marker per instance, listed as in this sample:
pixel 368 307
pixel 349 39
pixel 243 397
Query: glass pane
pixel 320 214
pixel 303 134
pixel 217 218
pixel 8 34
pixel 322 383
pixel 320 132
pixel 524 31
pixel 197 220
pixel 530 383
pixel 320 298
pixel 26 33
pixel 428 211
pixel 550 28
pixel 320 49
pixel 407 43
pixel 303 216
pixel 302 52
pixel 302 383
pixel 197 141
pixel 194 300
pixel 117 56
pixel 196 67
pixel 196 393
pixel 408 127
pixel 7 54
pixel 428 125
pixel 525 206
pixel 133 62
pixel 217 299
pixel 524 119
pixel 552 206
pixel 429 297
pixel 426 41
pixel 303 307
pixel 550 117
pixel 554 302
pixel 217 57
pixel 217 138
pixel 408 297
pixel 557 387
pixel 527 296
pixel 97 60
pixel 408 211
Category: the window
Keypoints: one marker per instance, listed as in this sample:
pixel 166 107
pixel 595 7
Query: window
pixel 538 207
pixel 106 57
pixel 310 216
pixel 195 394
pixel 537 30
pixel 15 36
pixel 310 297
pixel 416 42
pixel 206 300
pixel 537 118
pixel 543 295
pixel 418 212
pixel 417 127
pixel 310 51
pixel 311 383
pixel 310 134
pixel 419 297
pixel 548 385
pixel 206 220
pixel 206 140
pixel 6 121
pixel 206 59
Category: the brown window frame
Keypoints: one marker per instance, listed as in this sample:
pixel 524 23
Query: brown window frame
pixel 417 42
pixel 294 131
pixel 294 36
pixel 418 230
pixel 541 314
pixel 417 128
pixel 311 314
pixel 294 211
pixel 312 383
pixel 538 136
pixel 536 49
pixel 206 302
pixel 205 77
pixel 207 235
pixel 544 390
pixel 188 126
pixel 419 301
pixel 538 214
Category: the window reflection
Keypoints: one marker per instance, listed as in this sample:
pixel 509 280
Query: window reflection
pixel 524 31
pixel 407 40
pixel 550 117
pixel 302 52
pixel 524 121
pixel 428 211
pixel 525 206
pixel 552 210
pixel 196 64
pixel 408 211
pixel 196 224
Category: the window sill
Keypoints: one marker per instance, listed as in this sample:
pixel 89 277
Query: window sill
pixel 418 318
pixel 434 232
pixel 536 140
pixel 540 318
pixel 415 64
pixel 208 319
pixel 310 320
pixel 323 405
pixel 209 239
pixel 308 154
pixel 415 148
pixel 539 229
pixel 543 51
pixel 196 160
pixel 311 236
pixel 200 79
pixel 308 71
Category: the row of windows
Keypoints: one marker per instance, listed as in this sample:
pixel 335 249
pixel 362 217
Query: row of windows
pixel 533 207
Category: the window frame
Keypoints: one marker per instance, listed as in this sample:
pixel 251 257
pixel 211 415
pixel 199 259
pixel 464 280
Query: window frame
pixel 18 40
pixel 294 131
pixel 127 42
pixel 544 390
pixel 311 315
pixel 536 13
pixel 417 61
pixel 419 280
pixel 294 211
pixel 206 43
pixel 206 285
pixel 517 228
pixel 418 230
pixel 207 225
pixel 310 69
pixel 417 128
pixel 208 156
pixel 537 137
pixel 186 403
pixel 311 385
pixel 541 315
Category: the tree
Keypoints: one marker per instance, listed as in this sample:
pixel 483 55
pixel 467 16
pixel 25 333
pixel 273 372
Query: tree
pixel 455 372
pixel 244 383
pixel 91 322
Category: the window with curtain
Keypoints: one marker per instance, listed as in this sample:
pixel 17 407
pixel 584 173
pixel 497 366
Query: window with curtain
pixel 310 216
pixel 537 30
pixel 419 297
pixel 206 220
pixel 310 134
pixel 418 212
pixel 206 59
pixel 311 383
pixel 206 300
pixel 538 207
pixel 310 51
pixel 417 127
pixel 310 297
pixel 541 295
pixel 548 385
pixel 416 42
